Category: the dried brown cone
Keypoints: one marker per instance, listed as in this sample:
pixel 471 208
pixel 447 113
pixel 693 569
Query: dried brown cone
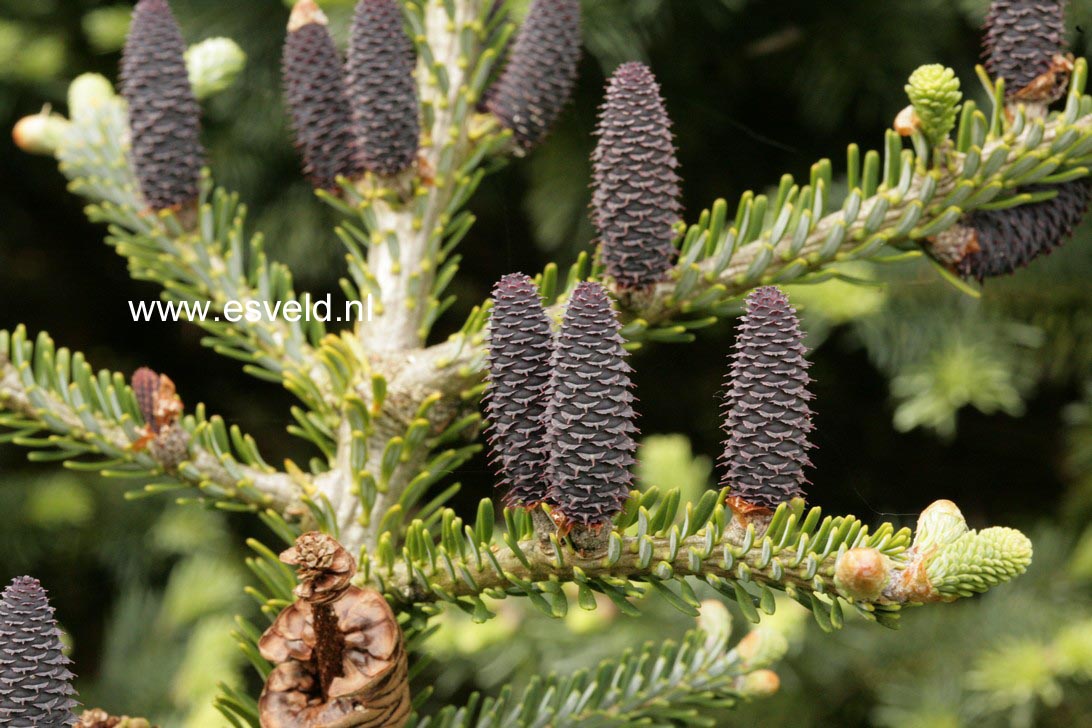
pixel 1025 44
pixel 315 92
pixel 338 652
pixel 164 117
pixel 324 567
pixel 99 718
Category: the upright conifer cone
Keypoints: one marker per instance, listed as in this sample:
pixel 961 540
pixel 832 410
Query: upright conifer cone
pixel 520 347
pixel 35 683
pixel 381 87
pixel 541 71
pixel 314 89
pixel 1025 44
pixel 635 199
pixel 164 118
pixel 590 416
pixel 997 242
pixel 767 418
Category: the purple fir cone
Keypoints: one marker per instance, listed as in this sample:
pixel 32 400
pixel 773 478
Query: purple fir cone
pixel 539 77
pixel 1025 44
pixel 635 198
pixel 767 418
pixel 520 347
pixel 314 90
pixel 1002 241
pixel 382 90
pixel 164 118
pixel 590 416
pixel 35 682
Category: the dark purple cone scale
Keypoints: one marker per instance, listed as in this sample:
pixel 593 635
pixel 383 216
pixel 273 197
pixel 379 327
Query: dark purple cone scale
pixel 635 188
pixel 145 383
pixel 164 118
pixel 1022 39
pixel 590 416
pixel 314 90
pixel 520 348
pixel 539 77
pixel 1009 239
pixel 381 88
pixel 35 683
pixel 767 418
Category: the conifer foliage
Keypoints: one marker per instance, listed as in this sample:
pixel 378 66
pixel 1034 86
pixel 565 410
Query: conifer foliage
pixel 520 348
pixel 390 412
pixel 541 72
pixel 767 417
pixel 635 201
pixel 590 416
pixel 35 682
pixel 314 89
pixel 382 91
pixel 164 117
pixel 1025 45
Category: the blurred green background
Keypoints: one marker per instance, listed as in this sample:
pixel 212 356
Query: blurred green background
pixel 922 392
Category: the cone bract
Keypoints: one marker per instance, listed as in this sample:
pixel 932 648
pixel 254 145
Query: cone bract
pixel 541 71
pixel 164 118
pixel 35 682
pixel 381 87
pixel 520 348
pixel 767 418
pixel 635 198
pixel 590 416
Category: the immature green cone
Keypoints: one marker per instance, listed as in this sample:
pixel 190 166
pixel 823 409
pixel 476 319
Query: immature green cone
pixel 590 417
pixel 164 117
pixel 935 95
pixel 35 683
pixel 381 88
pixel 541 71
pixel 767 417
pixel 1025 44
pixel 635 188
pixel 314 89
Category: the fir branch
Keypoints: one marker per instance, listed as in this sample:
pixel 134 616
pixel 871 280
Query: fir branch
pixel 204 259
pixel 661 684
pixel 799 552
pixel 53 402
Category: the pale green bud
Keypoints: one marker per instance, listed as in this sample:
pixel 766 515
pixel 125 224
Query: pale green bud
pixel 86 92
pixel 40 133
pixel 213 65
pixel 939 524
pixel 935 95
